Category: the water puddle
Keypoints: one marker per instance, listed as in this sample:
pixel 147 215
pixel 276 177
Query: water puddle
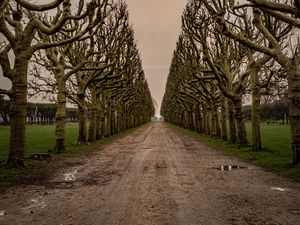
pixel 230 167
pixel 71 176
pixel 279 189
pixel 66 178
pixel 34 204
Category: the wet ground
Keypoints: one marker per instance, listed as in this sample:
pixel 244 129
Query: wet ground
pixel 156 176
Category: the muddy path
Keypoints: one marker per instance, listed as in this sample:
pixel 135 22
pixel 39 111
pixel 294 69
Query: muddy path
pixel 155 175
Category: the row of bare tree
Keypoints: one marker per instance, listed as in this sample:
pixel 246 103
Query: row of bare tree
pixel 84 52
pixel 226 51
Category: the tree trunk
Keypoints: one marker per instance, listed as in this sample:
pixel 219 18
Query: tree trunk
pixel 208 122
pixel 294 111
pixel 99 116
pixel 216 130
pixel 223 119
pixel 218 127
pixel 213 121
pixel 194 114
pixel 204 119
pixel 232 127
pixel 112 122
pixel 240 123
pixel 256 137
pixel 124 120
pixel 17 114
pixel 81 119
pixel 98 126
pixel 183 121
pixel 93 120
pixel 128 122
pixel 60 115
pixel 191 120
pixel 199 119
pixel 108 120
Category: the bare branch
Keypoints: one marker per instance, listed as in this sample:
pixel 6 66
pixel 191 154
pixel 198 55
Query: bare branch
pixel 40 8
pixel 6 92
pixel 7 33
pixel 263 4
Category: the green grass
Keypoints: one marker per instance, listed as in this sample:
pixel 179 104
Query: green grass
pixel 276 139
pixel 39 138
pixel 277 153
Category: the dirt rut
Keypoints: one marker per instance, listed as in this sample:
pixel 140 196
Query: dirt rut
pixel 155 176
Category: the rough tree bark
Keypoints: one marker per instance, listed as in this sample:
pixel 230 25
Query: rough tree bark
pixel 60 113
pixel 81 119
pixel 93 120
pixel 232 127
pixel 240 123
pixel 17 113
pixel 255 115
pixel 223 118
pixel 293 78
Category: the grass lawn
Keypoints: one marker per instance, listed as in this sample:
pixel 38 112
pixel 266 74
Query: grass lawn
pixel 276 140
pixel 277 153
pixel 39 138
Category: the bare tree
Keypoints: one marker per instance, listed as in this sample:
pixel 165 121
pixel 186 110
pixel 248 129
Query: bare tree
pixel 19 24
pixel 270 46
pixel 287 11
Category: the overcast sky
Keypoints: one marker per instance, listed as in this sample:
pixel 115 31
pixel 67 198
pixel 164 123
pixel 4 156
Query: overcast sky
pixel 157 26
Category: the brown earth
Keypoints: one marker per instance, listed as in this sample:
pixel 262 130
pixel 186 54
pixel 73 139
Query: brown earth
pixel 155 175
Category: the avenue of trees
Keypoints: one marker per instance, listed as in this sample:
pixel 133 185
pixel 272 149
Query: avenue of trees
pixel 82 52
pixel 227 52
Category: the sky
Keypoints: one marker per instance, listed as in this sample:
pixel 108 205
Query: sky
pixel 157 25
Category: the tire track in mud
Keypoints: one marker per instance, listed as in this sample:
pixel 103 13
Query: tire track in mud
pixel 155 176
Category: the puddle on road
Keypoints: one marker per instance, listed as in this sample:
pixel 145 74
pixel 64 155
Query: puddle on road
pixel 230 167
pixel 35 204
pixel 71 176
pixel 67 178
pixel 279 189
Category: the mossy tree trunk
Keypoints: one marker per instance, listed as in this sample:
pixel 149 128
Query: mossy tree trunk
pixel 213 120
pixel 93 119
pixel 232 127
pixel 99 116
pixel 195 122
pixel 255 115
pixel 294 109
pixel 204 118
pixel 241 133
pixel 124 116
pixel 208 122
pixel 60 115
pixel 81 119
pixel 223 119
pixel 17 114
pixel 108 119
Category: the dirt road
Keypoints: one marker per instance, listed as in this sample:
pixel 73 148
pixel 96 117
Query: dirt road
pixel 156 176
